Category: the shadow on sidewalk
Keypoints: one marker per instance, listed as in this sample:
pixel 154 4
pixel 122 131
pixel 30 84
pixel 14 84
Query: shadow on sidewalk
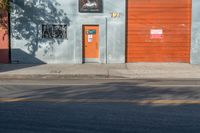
pixel 16 63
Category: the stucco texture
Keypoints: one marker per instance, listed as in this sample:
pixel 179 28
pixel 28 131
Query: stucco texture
pixel 28 46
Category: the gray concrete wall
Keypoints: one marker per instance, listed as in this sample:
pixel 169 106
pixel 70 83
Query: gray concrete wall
pixel 195 48
pixel 28 46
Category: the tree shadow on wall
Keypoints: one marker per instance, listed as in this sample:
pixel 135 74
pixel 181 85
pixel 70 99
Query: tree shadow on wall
pixel 4 23
pixel 27 20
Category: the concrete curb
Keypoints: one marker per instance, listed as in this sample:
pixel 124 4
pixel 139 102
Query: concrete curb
pixel 85 76
pixel 50 76
pixel 98 71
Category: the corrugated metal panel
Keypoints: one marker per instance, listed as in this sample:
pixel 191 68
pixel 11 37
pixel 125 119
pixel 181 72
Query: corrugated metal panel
pixel 4 47
pixel 173 17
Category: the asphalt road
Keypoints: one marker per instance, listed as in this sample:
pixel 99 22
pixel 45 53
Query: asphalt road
pixel 100 106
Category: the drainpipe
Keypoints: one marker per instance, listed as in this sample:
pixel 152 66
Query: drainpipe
pixel 106 40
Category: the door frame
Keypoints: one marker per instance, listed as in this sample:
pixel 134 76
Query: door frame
pixel 78 55
pixel 88 60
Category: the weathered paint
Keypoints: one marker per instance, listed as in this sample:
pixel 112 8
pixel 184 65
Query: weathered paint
pixel 27 46
pixel 195 49
pixel 4 45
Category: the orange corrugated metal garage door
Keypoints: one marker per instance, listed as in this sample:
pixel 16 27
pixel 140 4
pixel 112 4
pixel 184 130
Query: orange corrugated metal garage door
pixel 158 30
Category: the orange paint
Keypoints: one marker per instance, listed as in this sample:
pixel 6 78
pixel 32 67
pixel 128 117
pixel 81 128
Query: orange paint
pixel 91 41
pixel 4 47
pixel 173 17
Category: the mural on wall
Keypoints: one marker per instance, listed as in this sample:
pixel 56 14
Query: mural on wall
pixel 56 31
pixel 91 6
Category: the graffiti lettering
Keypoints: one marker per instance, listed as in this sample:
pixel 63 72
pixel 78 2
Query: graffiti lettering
pixel 54 31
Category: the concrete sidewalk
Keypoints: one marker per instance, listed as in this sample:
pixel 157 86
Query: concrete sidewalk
pixel 96 71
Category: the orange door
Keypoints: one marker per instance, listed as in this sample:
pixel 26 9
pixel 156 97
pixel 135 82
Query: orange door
pixel 90 42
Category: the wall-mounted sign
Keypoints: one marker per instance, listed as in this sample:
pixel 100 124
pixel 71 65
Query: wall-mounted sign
pixel 90 38
pixel 115 15
pixel 156 33
pixel 52 31
pixel 91 6
pixel 92 32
